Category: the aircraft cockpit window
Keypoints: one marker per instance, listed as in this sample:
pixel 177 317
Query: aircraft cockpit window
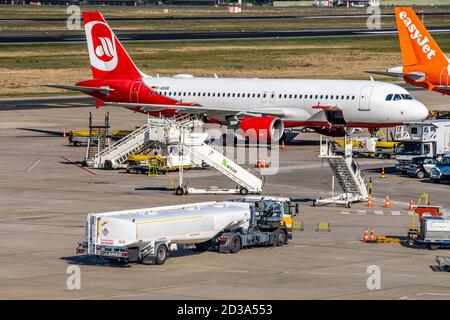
pixel 407 96
pixel 389 97
pixel 397 97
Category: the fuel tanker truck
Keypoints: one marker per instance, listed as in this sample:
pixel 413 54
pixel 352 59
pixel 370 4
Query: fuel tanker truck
pixel 149 235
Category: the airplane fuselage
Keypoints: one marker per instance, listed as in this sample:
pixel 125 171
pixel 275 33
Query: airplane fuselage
pixel 299 102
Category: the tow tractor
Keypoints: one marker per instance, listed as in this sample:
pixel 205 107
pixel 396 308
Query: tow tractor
pixel 147 235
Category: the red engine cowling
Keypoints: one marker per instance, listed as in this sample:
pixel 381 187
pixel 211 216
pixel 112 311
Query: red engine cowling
pixel 331 131
pixel 262 129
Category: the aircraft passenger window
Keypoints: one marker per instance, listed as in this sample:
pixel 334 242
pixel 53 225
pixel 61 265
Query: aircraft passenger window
pixel 300 96
pixel 238 95
pixel 253 95
pixel 234 95
pixel 193 94
pixel 295 96
pixel 326 97
pixel 397 97
pixel 272 96
pixel 179 93
pixel 317 96
pixel 209 94
pixel 331 97
pixel 353 97
pixel 214 94
pixel 311 96
pixel 290 96
pixel 248 95
pixel 184 94
pixel 228 94
pixel 264 95
pixel 348 97
pixel 321 96
pixel 259 95
pixel 342 97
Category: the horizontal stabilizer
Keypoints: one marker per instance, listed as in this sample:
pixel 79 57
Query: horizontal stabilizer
pixel 84 89
pixel 413 76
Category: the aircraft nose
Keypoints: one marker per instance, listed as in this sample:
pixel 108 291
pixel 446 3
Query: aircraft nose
pixel 421 111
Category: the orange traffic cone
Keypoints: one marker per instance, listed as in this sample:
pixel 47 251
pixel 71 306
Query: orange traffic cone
pixel 382 173
pixel 410 208
pixel 369 201
pixel 65 135
pixel 372 234
pixel 366 235
pixel 387 204
pixel 282 144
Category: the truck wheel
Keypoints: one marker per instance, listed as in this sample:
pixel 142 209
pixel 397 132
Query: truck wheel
pixel 404 172
pixel 243 191
pixel 281 238
pixel 161 254
pixel 437 180
pixel 235 245
pixel 433 246
pixel 179 191
pixel 420 174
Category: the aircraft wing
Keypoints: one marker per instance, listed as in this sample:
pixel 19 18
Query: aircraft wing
pixel 413 75
pixel 197 108
pixel 84 89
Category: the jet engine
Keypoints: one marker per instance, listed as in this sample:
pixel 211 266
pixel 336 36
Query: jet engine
pixel 262 129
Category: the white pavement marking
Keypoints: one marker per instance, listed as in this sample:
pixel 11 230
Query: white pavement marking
pixel 345 212
pixel 396 213
pixel 361 212
pixel 33 165
pixel 410 213
pixel 378 212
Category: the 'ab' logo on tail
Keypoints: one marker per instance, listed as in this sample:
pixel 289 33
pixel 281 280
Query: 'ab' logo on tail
pixel 101 45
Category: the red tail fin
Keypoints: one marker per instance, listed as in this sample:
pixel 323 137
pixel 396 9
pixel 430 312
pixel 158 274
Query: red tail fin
pixel 108 58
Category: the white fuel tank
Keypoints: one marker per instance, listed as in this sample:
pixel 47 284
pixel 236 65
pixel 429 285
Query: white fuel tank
pixel 183 224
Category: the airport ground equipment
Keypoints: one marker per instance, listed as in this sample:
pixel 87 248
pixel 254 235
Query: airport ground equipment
pixel 443 264
pixel 99 138
pixel 156 131
pixel 147 235
pixel 81 137
pixel 441 172
pixel 194 143
pixel 347 172
pixel 367 147
pixel 430 138
pixel 140 163
pixel 434 233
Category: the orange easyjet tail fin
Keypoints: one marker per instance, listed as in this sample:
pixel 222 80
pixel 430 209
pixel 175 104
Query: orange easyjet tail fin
pixel 417 45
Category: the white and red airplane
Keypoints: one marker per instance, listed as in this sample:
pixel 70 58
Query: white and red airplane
pixel 264 105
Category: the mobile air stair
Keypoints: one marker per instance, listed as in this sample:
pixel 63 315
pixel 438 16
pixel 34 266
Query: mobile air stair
pixel 157 130
pixel 348 174
pixel 182 131
pixel 195 144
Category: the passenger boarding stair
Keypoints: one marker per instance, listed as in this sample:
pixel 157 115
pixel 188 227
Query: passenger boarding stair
pixel 248 182
pixel 156 130
pixel 348 174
